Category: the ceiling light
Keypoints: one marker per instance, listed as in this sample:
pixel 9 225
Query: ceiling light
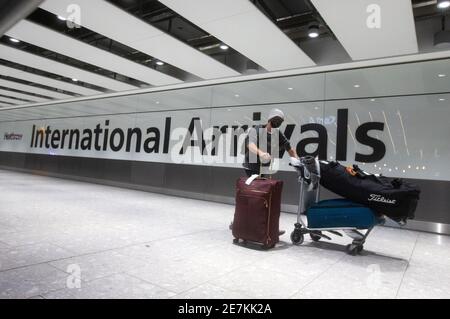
pixel 75 80
pixel 159 63
pixel 290 89
pixel 157 102
pixel 236 95
pixel 356 86
pixel 224 46
pixel 372 100
pixel 14 40
pixel 313 31
pixel 442 100
pixel 442 4
pixel 61 18
pixel 442 75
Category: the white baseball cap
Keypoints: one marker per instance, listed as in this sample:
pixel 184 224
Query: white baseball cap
pixel 276 113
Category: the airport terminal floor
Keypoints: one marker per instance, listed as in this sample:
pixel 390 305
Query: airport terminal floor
pixel 132 244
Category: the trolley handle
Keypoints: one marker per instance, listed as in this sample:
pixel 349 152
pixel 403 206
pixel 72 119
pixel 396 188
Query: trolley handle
pixel 301 170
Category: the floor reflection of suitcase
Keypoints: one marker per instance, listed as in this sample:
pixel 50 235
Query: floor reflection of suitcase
pixel 257 212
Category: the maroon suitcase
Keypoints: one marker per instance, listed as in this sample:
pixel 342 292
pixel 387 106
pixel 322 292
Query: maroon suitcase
pixel 257 212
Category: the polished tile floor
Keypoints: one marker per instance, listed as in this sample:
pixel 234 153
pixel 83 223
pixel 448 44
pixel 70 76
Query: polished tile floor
pixel 67 239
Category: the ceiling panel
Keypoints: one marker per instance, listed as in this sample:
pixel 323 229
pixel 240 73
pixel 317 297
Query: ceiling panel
pixel 142 36
pixel 46 38
pixel 19 74
pixel 348 19
pixel 241 25
pixel 51 66
pixel 22 96
pixel 33 89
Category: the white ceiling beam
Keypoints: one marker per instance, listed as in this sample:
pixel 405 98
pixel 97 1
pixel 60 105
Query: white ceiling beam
pixel 141 36
pixel 4 105
pixel 12 101
pixel 55 67
pixel 23 96
pixel 241 25
pixel 46 38
pixel 33 89
pixel 27 76
pixel 371 29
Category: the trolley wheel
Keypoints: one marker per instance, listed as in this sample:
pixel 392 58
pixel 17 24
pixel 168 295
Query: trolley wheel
pixel 354 250
pixel 235 240
pixel 315 236
pixel 297 237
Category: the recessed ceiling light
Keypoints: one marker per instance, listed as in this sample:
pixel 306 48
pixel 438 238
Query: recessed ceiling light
pixel 372 100
pixel 75 80
pixel 313 31
pixel 290 89
pixel 61 18
pixel 14 40
pixel 442 75
pixel 224 47
pixel 159 62
pixel 236 95
pixel 157 102
pixel 442 100
pixel 442 4
pixel 356 86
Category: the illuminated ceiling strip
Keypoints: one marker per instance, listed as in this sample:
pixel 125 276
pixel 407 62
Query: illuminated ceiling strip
pixel 51 40
pixel 241 25
pixel 55 67
pixel 22 96
pixel 141 36
pixel 33 89
pixel 12 101
pixel 69 87
pixel 371 29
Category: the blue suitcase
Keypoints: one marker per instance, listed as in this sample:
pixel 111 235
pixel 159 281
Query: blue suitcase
pixel 340 213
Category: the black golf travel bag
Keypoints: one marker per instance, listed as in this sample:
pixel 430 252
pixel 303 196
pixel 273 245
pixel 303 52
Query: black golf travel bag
pixel 392 197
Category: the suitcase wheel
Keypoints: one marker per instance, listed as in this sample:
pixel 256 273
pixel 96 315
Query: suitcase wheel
pixel 235 240
pixel 353 249
pixel 316 236
pixel 297 237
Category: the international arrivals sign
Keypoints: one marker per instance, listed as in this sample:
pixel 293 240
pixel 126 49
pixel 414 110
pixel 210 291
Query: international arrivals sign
pixel 194 139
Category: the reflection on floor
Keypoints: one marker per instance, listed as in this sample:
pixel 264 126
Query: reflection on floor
pixel 131 244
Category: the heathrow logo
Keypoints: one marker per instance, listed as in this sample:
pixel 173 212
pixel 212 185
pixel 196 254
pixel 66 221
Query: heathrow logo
pixel 12 137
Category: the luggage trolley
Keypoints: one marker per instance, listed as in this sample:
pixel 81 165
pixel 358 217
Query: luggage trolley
pixel 315 217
